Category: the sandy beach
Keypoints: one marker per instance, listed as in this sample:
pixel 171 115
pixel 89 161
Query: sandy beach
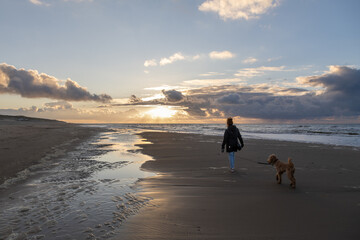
pixel 89 186
pixel 26 141
pixel 196 197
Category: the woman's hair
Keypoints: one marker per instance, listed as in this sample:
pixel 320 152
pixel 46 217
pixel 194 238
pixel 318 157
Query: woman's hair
pixel 229 121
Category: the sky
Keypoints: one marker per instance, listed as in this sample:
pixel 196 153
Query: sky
pixel 181 61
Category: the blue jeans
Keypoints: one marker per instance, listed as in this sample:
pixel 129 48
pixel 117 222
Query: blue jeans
pixel 231 159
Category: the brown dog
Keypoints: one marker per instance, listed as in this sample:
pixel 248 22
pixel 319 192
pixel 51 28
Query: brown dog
pixel 281 168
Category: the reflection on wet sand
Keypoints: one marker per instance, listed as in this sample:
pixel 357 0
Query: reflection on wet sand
pixel 88 194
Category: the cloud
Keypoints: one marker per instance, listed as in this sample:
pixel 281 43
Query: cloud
pixel 259 71
pixel 211 82
pixel 221 55
pixel 60 105
pixel 196 57
pixel 238 9
pixel 196 111
pixel 175 57
pixel 190 58
pixel 339 98
pixel 341 84
pixel 209 74
pixel 169 60
pixel 274 59
pixel 173 95
pixel 338 78
pixel 134 99
pixel 31 84
pixel 250 60
pixel 43 3
pixel 77 0
pixel 162 87
pixel 47 107
pixel 232 98
pixel 150 63
pixel 38 2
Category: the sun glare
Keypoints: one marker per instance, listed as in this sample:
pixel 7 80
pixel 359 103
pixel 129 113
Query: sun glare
pixel 161 112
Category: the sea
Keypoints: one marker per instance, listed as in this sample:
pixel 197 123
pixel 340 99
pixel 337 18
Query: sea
pixel 329 134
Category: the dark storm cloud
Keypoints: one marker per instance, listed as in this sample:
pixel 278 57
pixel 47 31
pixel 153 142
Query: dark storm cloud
pixel 293 90
pixel 31 84
pixel 257 104
pixel 342 88
pixel 195 111
pixel 173 95
pixel 232 98
pixel 338 96
pixel 268 106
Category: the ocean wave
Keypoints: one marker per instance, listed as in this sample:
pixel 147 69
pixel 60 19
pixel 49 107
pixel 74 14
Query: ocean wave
pixel 341 134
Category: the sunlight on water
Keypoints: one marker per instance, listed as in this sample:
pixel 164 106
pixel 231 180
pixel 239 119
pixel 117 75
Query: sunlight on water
pixel 341 134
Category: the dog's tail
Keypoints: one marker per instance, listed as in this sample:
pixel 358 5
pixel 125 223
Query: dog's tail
pixel 291 165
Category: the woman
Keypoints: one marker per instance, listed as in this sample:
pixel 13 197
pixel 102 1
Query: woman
pixel 231 136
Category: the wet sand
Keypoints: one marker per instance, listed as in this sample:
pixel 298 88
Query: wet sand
pixel 85 193
pixel 196 197
pixel 27 141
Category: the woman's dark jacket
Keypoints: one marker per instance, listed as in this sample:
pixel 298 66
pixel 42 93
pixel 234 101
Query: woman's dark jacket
pixel 231 135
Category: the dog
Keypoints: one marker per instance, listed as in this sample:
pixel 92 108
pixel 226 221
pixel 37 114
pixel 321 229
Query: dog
pixel 283 167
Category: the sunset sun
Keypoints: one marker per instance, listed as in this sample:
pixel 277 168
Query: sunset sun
pixel 161 112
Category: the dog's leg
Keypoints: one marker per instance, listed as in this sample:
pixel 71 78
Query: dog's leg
pixel 278 177
pixel 291 177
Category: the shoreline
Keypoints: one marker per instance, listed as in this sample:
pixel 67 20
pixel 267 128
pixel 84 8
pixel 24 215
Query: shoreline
pixel 86 194
pixel 328 134
pixel 28 142
pixel 195 196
